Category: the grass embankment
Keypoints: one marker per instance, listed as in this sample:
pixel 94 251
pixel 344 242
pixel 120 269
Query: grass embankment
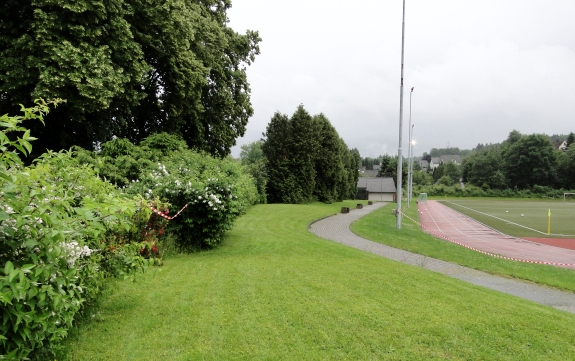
pixel 274 291
pixel 376 227
pixel 520 218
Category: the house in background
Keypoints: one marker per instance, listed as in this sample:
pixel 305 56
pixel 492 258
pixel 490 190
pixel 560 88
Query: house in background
pixel 561 145
pixel 444 159
pixel 424 165
pixel 376 189
pixel 434 163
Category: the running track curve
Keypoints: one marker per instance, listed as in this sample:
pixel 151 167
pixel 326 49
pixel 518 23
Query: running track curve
pixel 438 219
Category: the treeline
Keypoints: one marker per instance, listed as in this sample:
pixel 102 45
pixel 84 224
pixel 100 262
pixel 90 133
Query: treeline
pixel 522 162
pixel 302 158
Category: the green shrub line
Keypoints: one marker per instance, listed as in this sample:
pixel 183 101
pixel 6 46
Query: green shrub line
pixel 469 190
pixel 74 218
pixel 216 191
pixel 63 231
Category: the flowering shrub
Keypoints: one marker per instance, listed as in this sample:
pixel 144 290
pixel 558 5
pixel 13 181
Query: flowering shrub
pixel 62 232
pixel 216 192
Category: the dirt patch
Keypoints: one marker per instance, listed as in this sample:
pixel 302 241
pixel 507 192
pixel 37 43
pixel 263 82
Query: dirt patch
pixel 557 242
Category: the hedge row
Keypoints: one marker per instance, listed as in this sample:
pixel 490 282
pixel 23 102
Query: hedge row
pixel 63 231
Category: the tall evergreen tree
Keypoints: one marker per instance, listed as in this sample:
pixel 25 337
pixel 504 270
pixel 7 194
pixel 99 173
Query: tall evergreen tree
pixel 277 149
pixel 304 147
pixel 570 139
pixel 330 162
pixel 307 159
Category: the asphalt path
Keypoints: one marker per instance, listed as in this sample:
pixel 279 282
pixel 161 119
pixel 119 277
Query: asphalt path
pixel 336 228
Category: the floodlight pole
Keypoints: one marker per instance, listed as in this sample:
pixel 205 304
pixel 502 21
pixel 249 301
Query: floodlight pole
pixel 409 154
pixel 399 155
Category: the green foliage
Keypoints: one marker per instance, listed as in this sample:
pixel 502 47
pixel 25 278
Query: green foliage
pixel 388 167
pixel 62 232
pixel 485 167
pixel 422 178
pixel 470 190
pixel 331 163
pixel 438 172
pixel 445 180
pixel 252 153
pixel 530 161
pixel 452 171
pixel 304 148
pixel 254 161
pixel 306 159
pixel 129 68
pixel 570 139
pixel 566 168
pixel 216 191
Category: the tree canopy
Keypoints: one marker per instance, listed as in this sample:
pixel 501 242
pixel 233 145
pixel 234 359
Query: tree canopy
pixel 128 68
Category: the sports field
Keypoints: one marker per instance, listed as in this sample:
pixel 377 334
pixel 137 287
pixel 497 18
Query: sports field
pixel 521 218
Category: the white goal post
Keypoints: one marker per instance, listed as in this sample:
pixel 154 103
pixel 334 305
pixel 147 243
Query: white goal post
pixel 568 195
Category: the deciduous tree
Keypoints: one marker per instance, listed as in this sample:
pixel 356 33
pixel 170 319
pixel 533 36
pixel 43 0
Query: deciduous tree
pixel 531 161
pixel 128 68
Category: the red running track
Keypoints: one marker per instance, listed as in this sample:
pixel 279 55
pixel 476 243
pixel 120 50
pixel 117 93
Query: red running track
pixel 442 220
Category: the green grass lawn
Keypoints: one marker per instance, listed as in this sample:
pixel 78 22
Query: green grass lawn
pixel 378 226
pixel 274 291
pixel 506 215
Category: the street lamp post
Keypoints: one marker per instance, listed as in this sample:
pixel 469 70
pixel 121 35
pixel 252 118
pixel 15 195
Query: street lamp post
pixel 399 155
pixel 410 128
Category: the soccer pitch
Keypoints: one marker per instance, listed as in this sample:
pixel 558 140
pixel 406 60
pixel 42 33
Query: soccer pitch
pixel 520 218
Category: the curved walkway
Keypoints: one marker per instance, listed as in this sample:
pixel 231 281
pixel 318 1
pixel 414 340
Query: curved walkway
pixel 336 228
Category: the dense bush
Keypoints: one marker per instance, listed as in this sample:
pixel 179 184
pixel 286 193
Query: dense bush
pixel 62 232
pixel 216 191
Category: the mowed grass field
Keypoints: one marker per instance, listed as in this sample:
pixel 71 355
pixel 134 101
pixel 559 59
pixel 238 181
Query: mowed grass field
pixel 274 291
pixel 520 218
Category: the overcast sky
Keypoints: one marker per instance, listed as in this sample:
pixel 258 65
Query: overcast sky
pixel 480 68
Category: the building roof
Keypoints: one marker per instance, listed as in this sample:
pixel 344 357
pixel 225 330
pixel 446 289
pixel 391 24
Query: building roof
pixel 377 184
pixel 451 158
pixel 423 163
pixel 435 160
